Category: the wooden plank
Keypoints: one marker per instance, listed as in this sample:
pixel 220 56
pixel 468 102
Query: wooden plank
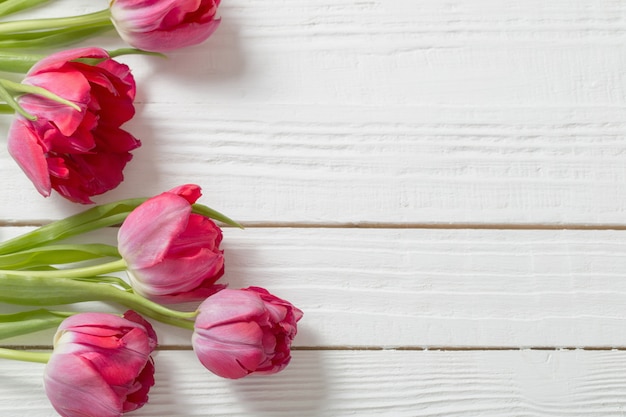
pixel 370 383
pixel 385 111
pixel 429 288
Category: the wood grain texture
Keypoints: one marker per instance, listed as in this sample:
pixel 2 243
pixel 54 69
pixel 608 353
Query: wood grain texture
pixel 364 383
pixel 427 120
pixel 425 288
pixel 382 111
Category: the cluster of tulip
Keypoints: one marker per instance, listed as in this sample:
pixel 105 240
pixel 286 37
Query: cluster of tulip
pixel 169 245
pixel 67 136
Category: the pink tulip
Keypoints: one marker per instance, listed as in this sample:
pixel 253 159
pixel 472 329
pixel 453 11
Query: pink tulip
pixel 238 332
pixel 101 365
pixel 78 153
pixel 172 254
pixel 164 25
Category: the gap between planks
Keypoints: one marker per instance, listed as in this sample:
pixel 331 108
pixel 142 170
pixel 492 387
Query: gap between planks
pixel 390 225
pixel 383 348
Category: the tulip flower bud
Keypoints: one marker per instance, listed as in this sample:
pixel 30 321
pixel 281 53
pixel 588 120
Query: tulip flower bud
pixel 163 25
pixel 101 365
pixel 238 332
pixel 172 254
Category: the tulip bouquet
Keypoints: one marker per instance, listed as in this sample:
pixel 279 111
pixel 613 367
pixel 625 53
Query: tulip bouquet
pixel 169 247
pixel 67 135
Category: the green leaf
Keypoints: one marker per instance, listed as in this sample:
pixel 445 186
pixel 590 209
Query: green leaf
pixel 43 40
pixel 92 219
pixel 19 62
pixel 100 18
pixel 56 255
pixel 215 215
pixel 19 88
pixel 134 51
pixel 8 7
pixel 18 324
pixel 6 109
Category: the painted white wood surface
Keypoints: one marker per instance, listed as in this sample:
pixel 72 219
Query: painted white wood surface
pixel 399 288
pixel 428 111
pixel 373 383
pixel 442 126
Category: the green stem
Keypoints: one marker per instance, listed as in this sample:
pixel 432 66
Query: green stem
pixel 35 290
pixel 101 18
pixel 24 356
pixel 154 310
pixel 45 256
pixel 116 281
pixel 6 109
pixel 86 271
pixel 7 96
pixel 18 89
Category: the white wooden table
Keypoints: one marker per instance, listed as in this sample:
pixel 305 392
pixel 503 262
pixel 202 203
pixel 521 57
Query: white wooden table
pixel 439 185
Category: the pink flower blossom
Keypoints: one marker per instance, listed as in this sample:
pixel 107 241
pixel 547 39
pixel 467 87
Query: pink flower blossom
pixel 78 153
pixel 163 25
pixel 172 254
pixel 238 332
pixel 101 365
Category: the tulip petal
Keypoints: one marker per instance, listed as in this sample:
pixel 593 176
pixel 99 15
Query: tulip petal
pixel 142 16
pixel 178 274
pixel 145 235
pixel 98 323
pixel 59 59
pixel 168 40
pixel 237 333
pixel 190 192
pixel 71 85
pixel 75 389
pixel 138 396
pixel 23 145
pixel 119 363
pixel 200 233
pixel 227 360
pixel 229 306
